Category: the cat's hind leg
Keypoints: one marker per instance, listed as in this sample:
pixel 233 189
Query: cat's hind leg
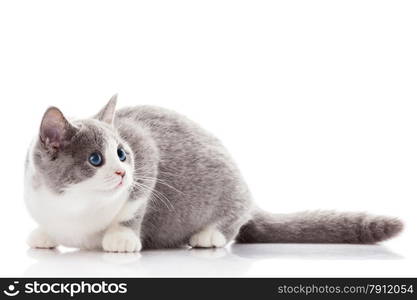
pixel 209 237
pixel 225 226
pixel 218 234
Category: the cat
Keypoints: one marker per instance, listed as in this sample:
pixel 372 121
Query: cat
pixel 146 177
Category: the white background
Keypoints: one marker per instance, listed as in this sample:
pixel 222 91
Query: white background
pixel 316 100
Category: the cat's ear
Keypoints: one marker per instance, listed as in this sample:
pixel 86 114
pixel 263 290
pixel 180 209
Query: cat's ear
pixel 106 114
pixel 55 130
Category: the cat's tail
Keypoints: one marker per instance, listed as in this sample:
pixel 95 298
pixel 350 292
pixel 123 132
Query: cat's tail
pixel 318 227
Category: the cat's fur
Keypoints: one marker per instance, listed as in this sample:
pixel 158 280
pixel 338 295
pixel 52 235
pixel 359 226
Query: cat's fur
pixel 181 187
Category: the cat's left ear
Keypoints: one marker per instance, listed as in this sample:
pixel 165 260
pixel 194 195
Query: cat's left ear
pixel 106 114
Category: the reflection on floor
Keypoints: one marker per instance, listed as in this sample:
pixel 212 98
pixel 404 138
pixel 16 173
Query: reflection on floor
pixel 234 260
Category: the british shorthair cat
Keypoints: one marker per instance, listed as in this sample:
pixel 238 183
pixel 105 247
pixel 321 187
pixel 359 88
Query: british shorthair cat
pixel 147 177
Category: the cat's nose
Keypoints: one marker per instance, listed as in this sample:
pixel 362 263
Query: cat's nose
pixel 120 173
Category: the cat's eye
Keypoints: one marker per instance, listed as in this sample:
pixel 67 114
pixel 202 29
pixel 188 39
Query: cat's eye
pixel 122 154
pixel 95 159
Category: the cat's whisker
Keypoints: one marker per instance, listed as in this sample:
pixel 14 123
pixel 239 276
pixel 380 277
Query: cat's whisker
pixel 161 182
pixel 157 194
pixel 144 178
pixel 163 198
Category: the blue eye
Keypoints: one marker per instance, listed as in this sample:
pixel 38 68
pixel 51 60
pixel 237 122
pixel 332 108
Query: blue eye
pixel 122 154
pixel 95 159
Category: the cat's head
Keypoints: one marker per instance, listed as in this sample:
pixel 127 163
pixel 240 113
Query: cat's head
pixel 87 154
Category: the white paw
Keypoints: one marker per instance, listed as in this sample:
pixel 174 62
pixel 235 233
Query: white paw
pixel 39 239
pixel 208 238
pixel 121 240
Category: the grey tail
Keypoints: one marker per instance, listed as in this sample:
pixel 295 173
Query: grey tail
pixel 318 227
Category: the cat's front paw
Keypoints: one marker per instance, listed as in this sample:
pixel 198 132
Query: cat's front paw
pixel 40 239
pixel 122 239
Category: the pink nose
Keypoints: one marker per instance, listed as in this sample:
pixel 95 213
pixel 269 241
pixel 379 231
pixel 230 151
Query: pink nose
pixel 120 173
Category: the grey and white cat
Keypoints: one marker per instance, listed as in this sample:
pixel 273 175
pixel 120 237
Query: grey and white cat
pixel 147 177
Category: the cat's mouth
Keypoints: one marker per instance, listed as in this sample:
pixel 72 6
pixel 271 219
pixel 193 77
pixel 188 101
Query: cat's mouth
pixel 120 184
pixel 117 185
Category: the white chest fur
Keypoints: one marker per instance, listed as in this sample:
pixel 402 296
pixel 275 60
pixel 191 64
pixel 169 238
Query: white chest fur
pixel 74 218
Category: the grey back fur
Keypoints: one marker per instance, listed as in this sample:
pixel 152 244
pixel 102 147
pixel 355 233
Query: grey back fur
pixel 198 183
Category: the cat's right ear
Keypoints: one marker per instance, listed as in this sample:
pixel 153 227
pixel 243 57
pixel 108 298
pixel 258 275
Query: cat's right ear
pixel 106 114
pixel 55 130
